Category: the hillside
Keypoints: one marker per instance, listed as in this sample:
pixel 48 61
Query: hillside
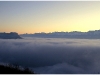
pixel 11 35
pixel 14 70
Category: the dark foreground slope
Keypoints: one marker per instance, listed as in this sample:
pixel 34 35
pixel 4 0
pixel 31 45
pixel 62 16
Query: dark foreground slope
pixel 13 70
pixel 11 35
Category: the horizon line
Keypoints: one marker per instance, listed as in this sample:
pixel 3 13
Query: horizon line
pixel 47 32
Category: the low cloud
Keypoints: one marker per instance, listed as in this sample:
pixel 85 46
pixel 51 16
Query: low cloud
pixel 53 55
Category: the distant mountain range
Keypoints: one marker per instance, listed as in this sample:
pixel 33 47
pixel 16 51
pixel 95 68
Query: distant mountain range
pixel 11 35
pixel 74 34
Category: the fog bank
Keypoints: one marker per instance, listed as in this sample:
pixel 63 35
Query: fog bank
pixel 53 55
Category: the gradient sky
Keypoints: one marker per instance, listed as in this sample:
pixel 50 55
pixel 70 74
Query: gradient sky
pixel 49 16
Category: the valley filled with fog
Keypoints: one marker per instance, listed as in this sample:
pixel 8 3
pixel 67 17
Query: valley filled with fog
pixel 53 55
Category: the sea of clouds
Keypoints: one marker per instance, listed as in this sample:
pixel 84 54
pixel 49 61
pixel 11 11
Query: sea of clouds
pixel 53 55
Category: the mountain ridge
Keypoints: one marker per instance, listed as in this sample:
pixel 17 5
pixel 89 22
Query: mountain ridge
pixel 74 34
pixel 11 35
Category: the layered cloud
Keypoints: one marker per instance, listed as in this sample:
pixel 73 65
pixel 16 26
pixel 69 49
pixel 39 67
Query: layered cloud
pixel 52 55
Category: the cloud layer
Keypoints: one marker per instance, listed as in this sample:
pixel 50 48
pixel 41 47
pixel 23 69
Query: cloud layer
pixel 53 55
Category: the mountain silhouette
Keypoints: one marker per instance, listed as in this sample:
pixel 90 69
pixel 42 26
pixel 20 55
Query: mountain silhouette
pixel 74 34
pixel 11 35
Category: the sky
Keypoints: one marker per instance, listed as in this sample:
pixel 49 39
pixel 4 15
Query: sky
pixel 49 16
